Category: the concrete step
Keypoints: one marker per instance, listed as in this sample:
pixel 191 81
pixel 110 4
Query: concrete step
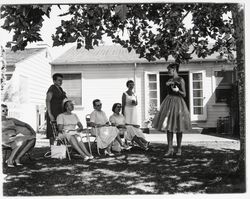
pixel 195 130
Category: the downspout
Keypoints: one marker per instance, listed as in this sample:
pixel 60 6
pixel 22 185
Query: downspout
pixel 135 65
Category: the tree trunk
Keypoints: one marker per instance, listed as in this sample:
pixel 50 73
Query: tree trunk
pixel 238 19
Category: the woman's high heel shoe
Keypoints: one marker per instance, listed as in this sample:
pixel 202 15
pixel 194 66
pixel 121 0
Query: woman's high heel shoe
pixel 18 163
pixel 170 153
pixel 108 153
pixel 9 165
pixel 178 152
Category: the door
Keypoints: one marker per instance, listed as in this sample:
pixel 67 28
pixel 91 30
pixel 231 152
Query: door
pixel 164 77
pixel 152 94
pixel 198 109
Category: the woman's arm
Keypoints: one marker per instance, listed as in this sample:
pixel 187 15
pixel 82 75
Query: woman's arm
pixel 48 99
pixel 23 124
pixel 134 125
pixel 123 102
pixel 80 127
pixel 136 101
pixel 95 125
pixel 60 128
pixel 182 91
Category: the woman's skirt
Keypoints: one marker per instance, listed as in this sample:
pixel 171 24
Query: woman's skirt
pixel 130 114
pixel 132 132
pixel 67 134
pixel 173 115
pixel 15 140
pixel 105 135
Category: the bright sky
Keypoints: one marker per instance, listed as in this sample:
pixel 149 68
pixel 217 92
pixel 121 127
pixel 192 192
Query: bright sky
pixel 48 28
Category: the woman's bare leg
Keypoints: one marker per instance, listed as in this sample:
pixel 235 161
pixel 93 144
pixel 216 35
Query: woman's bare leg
pixel 138 141
pixel 170 143
pixel 28 145
pixel 179 140
pixel 74 143
pixel 14 152
pixel 81 145
pixel 118 138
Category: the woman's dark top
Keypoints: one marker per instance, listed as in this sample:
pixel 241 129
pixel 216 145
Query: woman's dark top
pixel 177 83
pixel 58 95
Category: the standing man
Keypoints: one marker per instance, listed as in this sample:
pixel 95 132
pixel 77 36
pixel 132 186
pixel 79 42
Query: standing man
pixel 54 103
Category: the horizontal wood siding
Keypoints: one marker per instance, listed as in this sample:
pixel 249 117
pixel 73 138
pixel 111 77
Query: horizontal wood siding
pixel 38 72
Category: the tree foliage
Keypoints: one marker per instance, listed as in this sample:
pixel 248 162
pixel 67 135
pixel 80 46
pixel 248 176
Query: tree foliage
pixel 154 31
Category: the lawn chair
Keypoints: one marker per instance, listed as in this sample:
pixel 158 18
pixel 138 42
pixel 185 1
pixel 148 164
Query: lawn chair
pixel 90 131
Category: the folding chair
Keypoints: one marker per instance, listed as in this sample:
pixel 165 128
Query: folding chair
pixel 59 140
pixel 90 132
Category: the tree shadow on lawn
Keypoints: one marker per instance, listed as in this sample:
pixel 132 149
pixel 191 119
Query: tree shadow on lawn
pixel 198 170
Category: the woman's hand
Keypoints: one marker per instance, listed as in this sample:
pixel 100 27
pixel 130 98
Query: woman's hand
pixel 52 118
pixel 79 129
pixel 175 88
pixel 169 83
pixel 136 126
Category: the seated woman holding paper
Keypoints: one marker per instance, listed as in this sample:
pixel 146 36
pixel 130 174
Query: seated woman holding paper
pixel 131 132
pixel 67 123
pixel 18 135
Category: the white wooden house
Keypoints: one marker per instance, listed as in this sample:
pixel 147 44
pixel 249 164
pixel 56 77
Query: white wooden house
pixel 103 72
pixel 28 75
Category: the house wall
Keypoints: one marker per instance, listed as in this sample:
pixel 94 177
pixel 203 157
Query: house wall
pixel 37 70
pixel 34 77
pixel 104 82
pixel 108 82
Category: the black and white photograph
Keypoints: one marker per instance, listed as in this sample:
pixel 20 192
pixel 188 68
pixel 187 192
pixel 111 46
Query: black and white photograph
pixel 123 99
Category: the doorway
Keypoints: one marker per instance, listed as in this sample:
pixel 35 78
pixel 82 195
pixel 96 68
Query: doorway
pixel 164 77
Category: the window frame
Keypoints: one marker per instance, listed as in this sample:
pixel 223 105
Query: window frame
pixel 221 87
pixel 81 84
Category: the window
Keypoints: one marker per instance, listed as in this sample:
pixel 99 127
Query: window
pixel 152 85
pixel 197 94
pixel 224 81
pixel 72 85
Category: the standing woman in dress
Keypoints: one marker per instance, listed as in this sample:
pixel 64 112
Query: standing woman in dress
pixel 173 116
pixel 129 103
pixel 54 103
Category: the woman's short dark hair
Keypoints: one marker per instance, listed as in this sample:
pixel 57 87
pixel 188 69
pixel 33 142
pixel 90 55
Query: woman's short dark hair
pixel 114 106
pixel 128 82
pixel 56 75
pixel 174 66
pixel 96 100
pixel 65 105
pixel 4 105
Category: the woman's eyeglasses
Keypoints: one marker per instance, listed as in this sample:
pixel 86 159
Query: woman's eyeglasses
pixel 118 107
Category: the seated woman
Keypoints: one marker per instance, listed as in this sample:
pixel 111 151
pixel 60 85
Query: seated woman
pixel 106 134
pixel 131 132
pixel 18 135
pixel 67 123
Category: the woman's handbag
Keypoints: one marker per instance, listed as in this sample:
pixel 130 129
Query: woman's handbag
pixel 58 151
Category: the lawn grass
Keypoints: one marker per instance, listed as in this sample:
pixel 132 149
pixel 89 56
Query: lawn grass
pixel 201 169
